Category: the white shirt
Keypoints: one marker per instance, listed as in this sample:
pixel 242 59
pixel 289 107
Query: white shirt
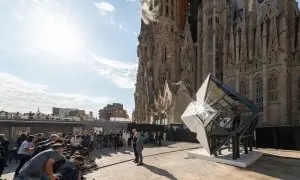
pixel 75 141
pixel 92 137
pixel 125 136
pixel 24 148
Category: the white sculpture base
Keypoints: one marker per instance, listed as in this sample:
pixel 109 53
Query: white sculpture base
pixel 226 158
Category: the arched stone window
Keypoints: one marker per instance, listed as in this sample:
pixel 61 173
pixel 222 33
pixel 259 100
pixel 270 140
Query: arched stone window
pixel 172 14
pixel 259 93
pixel 217 20
pixel 210 43
pixel 210 21
pixel 167 10
pixel 272 88
pixel 243 89
pixel 163 77
pixel 163 53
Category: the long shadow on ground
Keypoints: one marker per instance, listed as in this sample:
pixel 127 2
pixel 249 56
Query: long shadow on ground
pixel 277 167
pixel 160 172
pixel 131 159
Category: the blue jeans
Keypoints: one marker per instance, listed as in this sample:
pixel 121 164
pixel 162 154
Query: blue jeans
pixel 140 156
pixel 23 159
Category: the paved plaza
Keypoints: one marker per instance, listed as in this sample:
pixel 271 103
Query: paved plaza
pixel 171 162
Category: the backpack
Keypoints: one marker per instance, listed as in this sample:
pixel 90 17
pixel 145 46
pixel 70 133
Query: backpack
pixel 58 164
pixel 69 174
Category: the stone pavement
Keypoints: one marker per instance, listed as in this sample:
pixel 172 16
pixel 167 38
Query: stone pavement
pixel 175 165
pixel 170 162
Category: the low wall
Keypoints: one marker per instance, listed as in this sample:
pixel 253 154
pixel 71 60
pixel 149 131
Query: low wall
pixel 266 137
pixel 278 137
pixel 175 132
pixel 11 128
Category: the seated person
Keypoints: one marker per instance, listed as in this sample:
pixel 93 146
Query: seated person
pixel 41 166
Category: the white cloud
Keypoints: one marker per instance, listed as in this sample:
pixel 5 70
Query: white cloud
pixel 18 15
pixel 105 8
pixel 131 0
pixel 121 73
pixel 19 95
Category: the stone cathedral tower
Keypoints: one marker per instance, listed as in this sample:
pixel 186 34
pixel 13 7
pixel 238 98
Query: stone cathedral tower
pixel 158 52
pixel 252 45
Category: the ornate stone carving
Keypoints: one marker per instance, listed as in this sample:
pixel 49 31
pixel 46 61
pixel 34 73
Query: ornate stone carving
pixel 267 36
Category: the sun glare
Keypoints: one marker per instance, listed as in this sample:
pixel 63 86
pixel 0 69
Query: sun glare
pixel 59 37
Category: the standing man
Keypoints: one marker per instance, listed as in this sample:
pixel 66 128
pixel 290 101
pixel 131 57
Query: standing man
pixel 5 144
pixel 134 145
pixel 139 148
pixel 25 152
pixel 125 138
pixel 2 152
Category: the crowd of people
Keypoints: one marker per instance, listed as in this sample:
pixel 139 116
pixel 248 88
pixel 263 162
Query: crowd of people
pixel 58 156
pixel 63 156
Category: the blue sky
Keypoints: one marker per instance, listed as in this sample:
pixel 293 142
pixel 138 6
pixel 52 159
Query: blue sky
pixel 67 53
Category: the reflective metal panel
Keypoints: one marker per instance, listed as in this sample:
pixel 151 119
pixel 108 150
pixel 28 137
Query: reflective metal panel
pixel 213 115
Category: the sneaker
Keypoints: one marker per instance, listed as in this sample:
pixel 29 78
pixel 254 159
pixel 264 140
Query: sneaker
pixel 140 164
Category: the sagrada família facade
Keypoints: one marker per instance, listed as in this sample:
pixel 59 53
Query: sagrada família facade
pixel 252 45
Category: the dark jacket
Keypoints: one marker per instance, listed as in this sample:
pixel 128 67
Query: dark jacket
pixel 134 141
pixel 2 152
pixel 5 144
pixel 139 144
